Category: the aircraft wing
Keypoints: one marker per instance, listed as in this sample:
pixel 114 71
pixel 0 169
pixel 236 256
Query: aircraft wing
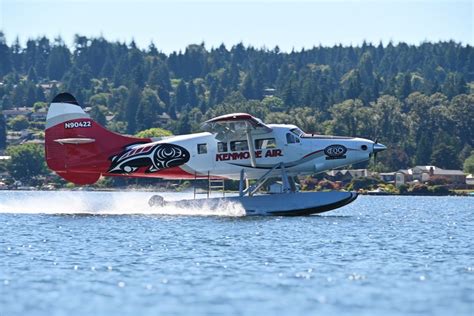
pixel 231 126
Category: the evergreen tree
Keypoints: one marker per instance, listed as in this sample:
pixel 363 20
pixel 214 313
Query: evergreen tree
pixel 192 97
pixel 423 150
pixel 98 116
pixel 248 88
pixel 3 132
pixel 131 107
pixel 184 127
pixel 445 156
pixel 32 75
pixel 181 96
pixel 30 95
pixel 404 87
pixel 58 62
pixel 5 58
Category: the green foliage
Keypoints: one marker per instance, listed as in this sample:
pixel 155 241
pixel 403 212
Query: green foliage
pixel 404 95
pixel 27 161
pixel 97 114
pixel 362 183
pixel 3 132
pixel 419 189
pixel 445 156
pixel 439 190
pixel 469 164
pixel 403 189
pixel 38 106
pixel 154 132
pixel 19 123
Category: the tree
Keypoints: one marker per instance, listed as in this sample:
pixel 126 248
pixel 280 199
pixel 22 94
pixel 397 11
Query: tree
pixel 3 132
pixel 5 58
pixel 131 106
pixel 461 110
pixel 58 62
pixel 404 86
pixel 192 97
pixel 469 164
pixel 148 109
pixel 248 88
pixel 19 123
pixel 445 156
pixel 184 127
pixel 345 118
pixel 154 132
pixel 98 115
pixel 27 161
pixel 181 96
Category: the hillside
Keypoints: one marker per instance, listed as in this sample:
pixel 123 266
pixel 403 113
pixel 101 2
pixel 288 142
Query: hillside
pixel 418 100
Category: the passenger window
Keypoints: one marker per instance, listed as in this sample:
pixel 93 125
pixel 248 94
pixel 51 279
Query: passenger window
pixel 265 143
pixel 290 138
pixel 222 147
pixel 202 148
pixel 239 145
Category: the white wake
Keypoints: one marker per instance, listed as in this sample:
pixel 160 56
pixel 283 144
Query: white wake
pixel 106 203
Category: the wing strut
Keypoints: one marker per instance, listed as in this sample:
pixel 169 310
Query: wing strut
pixel 253 160
pixel 251 190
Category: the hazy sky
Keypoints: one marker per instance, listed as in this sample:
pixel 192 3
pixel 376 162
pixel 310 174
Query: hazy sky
pixel 172 25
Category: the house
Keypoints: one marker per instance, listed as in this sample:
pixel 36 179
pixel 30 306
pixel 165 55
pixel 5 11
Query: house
pixel 17 111
pixel 346 176
pixel 47 86
pixel 426 173
pixel 277 187
pixel 470 179
pixel 39 116
pixel 338 175
pixel 163 118
pixel 269 92
pixel 388 177
pixel 403 176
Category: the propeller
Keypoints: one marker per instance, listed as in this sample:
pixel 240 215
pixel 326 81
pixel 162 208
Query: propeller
pixel 377 147
pixel 375 152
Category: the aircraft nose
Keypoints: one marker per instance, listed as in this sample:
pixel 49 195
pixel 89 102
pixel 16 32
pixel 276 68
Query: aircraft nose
pixel 378 147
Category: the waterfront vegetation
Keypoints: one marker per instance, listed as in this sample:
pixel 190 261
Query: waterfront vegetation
pixel 416 99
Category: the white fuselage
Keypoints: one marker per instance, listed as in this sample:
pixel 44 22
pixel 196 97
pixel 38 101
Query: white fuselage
pixel 300 153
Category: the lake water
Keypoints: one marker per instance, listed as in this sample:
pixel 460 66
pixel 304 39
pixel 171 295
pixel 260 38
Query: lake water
pixel 376 256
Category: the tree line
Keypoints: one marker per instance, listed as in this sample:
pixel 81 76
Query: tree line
pixel 417 99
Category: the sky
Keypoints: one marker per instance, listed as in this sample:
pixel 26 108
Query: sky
pixel 172 25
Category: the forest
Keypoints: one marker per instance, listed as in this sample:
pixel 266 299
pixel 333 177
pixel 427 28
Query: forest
pixel 416 99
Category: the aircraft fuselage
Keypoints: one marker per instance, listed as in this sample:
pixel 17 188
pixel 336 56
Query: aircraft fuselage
pixel 207 156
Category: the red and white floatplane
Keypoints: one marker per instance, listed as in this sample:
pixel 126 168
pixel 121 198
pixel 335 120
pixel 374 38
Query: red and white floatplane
pixel 235 146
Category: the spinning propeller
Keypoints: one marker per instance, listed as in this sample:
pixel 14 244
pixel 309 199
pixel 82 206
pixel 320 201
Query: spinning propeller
pixel 376 149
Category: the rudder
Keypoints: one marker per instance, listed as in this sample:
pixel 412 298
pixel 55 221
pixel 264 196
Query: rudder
pixel 77 147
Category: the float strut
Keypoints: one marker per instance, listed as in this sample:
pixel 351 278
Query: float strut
pixel 242 191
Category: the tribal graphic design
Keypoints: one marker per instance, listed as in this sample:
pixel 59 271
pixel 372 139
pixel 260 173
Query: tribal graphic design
pixel 155 157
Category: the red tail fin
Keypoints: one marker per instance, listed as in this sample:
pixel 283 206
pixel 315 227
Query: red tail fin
pixel 78 148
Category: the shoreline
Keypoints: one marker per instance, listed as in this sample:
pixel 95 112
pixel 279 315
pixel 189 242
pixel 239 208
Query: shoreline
pixel 187 190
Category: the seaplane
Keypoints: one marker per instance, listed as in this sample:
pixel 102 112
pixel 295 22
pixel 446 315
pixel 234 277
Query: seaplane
pixel 236 146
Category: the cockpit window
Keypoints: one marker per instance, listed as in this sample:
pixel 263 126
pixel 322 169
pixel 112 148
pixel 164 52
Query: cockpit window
pixel 297 132
pixel 265 143
pixel 291 139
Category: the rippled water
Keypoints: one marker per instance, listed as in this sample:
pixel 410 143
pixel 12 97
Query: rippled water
pixel 376 256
